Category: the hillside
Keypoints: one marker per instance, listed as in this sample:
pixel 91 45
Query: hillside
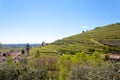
pixel 104 39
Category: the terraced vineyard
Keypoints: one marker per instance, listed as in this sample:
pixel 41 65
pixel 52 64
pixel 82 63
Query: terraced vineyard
pixel 103 39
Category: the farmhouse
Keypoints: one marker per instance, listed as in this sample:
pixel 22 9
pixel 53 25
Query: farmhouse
pixel 115 56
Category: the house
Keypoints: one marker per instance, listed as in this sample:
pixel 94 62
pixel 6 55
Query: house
pixel 113 56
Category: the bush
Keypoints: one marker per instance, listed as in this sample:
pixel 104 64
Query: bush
pixel 19 71
pixel 90 72
pixel 65 64
pixel 91 50
pixel 62 51
pixel 82 73
pixel 49 63
pixel 35 53
pixel 8 72
pixel 35 74
pixel 97 27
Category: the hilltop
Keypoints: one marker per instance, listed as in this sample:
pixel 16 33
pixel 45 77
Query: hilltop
pixel 103 39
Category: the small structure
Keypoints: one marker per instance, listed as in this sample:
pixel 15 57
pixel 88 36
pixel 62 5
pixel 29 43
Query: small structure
pixel 113 56
pixel 44 43
pixel 27 49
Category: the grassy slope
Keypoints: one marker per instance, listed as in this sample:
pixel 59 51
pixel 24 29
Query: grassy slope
pixel 97 39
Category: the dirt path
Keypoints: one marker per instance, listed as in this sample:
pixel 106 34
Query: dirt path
pixel 96 42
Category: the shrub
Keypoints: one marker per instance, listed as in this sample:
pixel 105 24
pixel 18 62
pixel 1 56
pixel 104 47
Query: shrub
pixel 91 50
pixel 35 74
pixel 35 53
pixel 90 72
pixel 97 27
pixel 47 62
pixel 62 51
pixel 65 64
pixel 8 72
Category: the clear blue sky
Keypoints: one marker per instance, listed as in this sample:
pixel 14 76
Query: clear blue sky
pixel 34 21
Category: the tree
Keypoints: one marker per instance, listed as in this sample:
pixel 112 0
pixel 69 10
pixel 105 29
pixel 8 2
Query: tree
pixel 97 27
pixel 83 31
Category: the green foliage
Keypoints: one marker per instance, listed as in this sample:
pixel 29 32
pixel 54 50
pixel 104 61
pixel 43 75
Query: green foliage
pixel 35 74
pixel 91 50
pixel 84 66
pixel 11 70
pixel 35 53
pixel 83 31
pixel 90 41
pixel 49 63
pixel 67 62
pixel 62 51
pixel 97 27
pixel 8 72
pixel 90 72
pixel 81 66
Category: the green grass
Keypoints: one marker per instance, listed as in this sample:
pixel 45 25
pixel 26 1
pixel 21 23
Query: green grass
pixel 98 39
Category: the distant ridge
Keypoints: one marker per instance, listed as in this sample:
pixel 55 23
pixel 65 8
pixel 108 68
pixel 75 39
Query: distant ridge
pixel 104 39
pixel 20 45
